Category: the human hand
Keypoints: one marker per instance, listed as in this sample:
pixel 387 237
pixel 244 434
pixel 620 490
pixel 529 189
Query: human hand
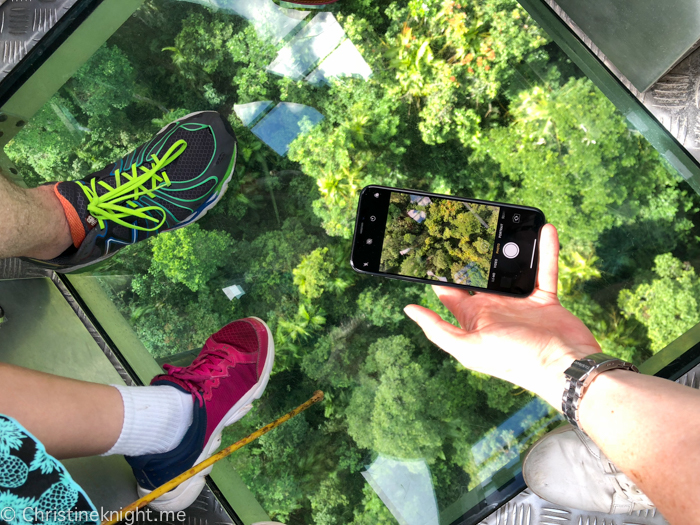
pixel 529 342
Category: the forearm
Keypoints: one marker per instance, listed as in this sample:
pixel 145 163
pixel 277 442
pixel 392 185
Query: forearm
pixel 650 428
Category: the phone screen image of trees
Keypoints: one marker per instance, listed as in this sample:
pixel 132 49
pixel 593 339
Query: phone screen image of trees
pixel 439 239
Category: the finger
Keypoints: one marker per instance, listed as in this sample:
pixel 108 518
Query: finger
pixel 548 271
pixel 445 335
pixel 452 298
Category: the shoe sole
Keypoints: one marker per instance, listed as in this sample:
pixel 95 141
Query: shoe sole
pixel 183 496
pixel 186 222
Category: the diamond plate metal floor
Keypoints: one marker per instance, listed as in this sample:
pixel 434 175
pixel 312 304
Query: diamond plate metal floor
pixel 18 269
pixel 22 24
pixel 528 509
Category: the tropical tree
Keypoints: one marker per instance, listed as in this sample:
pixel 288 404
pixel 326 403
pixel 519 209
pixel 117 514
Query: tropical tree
pixel 666 304
pixel 178 256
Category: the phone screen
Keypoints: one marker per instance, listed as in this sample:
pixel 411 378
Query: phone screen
pixel 436 238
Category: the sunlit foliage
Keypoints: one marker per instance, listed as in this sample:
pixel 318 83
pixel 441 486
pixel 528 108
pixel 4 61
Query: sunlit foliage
pixel 466 97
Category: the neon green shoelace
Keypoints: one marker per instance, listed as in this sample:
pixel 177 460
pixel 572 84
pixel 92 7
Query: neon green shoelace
pixel 129 188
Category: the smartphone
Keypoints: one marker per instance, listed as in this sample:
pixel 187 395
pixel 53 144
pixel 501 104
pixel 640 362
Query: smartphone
pixel 440 239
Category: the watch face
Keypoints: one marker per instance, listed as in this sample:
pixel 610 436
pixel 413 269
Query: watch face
pixel 580 368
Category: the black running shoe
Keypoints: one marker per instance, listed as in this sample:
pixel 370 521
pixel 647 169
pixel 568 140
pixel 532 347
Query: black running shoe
pixel 165 184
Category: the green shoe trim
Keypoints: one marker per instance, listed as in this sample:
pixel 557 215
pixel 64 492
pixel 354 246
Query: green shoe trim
pixel 229 170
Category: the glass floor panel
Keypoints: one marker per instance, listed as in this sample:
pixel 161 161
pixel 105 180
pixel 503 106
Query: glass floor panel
pixel 470 99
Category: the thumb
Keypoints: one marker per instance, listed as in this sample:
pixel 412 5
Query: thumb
pixel 445 335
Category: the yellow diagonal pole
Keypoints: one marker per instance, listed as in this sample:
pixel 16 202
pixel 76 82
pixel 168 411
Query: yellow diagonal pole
pixel 199 467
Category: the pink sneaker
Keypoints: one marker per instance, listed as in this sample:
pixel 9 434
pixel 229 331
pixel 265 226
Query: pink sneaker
pixel 231 371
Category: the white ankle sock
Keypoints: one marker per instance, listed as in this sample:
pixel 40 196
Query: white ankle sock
pixel 156 419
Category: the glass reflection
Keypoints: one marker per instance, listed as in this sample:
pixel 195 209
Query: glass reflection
pixel 345 61
pixel 322 41
pixel 271 22
pixel 406 489
pixel 252 112
pixel 507 441
pixel 312 44
pixel 281 126
pixel 68 120
pixel 320 49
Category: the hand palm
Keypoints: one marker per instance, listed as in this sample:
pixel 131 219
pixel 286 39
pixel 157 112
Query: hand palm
pixel 524 341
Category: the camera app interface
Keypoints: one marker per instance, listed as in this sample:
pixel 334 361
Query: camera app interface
pixel 439 239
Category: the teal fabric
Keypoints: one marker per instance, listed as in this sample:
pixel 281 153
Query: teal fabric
pixel 34 486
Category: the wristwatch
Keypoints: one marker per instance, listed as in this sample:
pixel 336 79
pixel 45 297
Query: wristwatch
pixel 580 375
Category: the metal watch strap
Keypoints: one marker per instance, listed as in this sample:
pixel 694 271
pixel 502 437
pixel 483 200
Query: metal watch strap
pixel 580 375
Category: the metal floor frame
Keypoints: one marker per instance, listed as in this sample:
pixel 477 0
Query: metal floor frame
pixel 674 99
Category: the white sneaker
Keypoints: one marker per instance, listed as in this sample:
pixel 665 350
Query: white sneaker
pixel 567 468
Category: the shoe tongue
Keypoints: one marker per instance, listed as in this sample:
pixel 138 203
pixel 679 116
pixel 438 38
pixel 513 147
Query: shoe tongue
pixel 235 354
pixel 75 204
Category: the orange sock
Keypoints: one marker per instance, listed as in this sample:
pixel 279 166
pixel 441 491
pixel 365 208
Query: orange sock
pixel 77 230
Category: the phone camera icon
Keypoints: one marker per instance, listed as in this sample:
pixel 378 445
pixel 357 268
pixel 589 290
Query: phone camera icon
pixel 516 218
pixel 376 195
pixel 369 241
pixel 372 218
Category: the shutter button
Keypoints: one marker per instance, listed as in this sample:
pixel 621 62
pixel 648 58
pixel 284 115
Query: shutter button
pixel 511 250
